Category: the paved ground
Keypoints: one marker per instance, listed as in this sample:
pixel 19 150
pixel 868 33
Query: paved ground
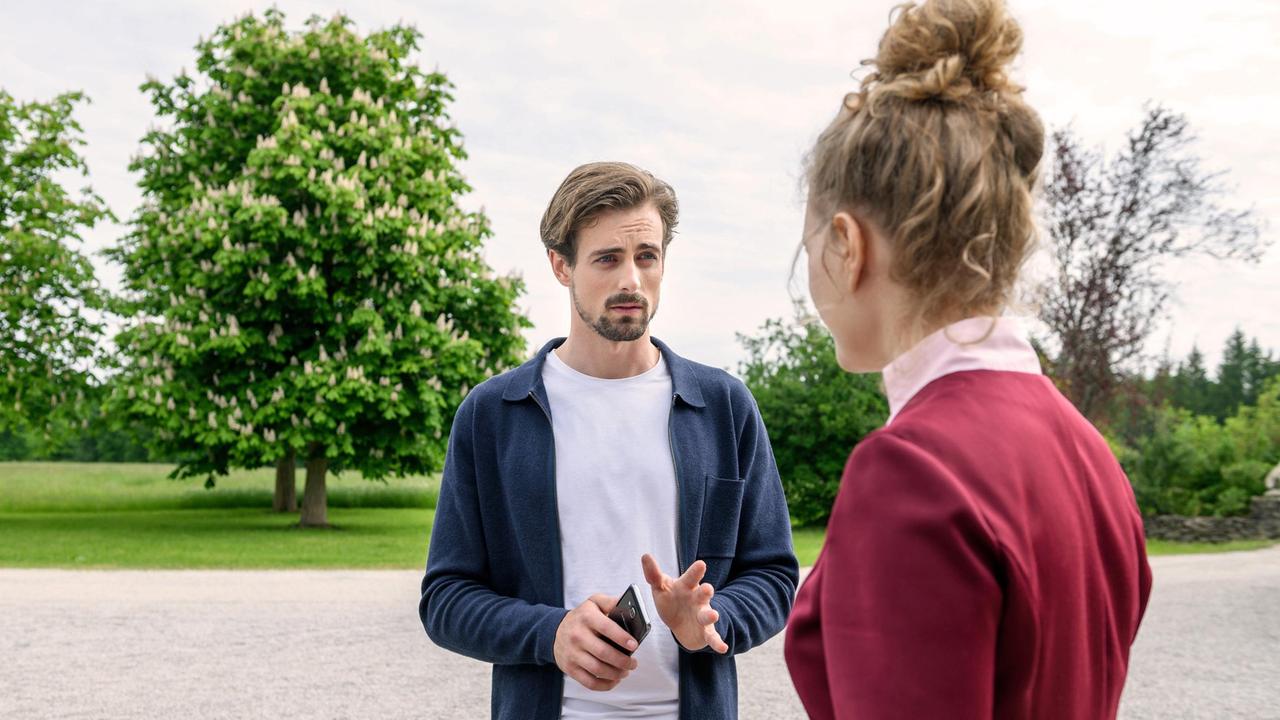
pixel 198 645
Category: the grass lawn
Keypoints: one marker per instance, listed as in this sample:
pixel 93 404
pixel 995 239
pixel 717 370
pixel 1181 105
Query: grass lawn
pixel 104 515
pixel 110 487
pixel 1164 547
pixel 226 538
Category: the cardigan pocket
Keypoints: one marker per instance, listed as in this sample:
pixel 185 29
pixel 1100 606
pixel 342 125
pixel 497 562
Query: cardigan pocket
pixel 721 509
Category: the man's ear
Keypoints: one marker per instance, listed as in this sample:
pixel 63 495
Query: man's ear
pixel 852 244
pixel 560 266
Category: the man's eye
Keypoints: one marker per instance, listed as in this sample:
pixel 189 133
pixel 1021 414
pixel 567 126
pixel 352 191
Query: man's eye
pixel 649 256
pixel 605 258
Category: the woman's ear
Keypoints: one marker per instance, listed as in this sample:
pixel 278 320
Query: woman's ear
pixel 852 243
pixel 560 266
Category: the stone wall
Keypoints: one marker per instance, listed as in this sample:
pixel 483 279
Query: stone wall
pixel 1263 521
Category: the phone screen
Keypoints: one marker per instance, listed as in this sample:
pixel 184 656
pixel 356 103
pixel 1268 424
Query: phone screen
pixel 629 613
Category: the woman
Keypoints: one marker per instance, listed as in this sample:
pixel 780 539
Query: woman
pixel 985 556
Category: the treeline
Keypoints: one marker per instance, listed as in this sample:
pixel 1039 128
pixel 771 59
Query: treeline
pixel 84 432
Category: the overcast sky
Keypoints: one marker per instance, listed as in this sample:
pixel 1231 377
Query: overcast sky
pixel 720 99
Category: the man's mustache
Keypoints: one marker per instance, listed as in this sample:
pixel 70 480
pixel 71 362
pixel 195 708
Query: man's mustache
pixel 627 299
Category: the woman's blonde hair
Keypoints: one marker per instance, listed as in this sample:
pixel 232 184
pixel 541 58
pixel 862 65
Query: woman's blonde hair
pixel 940 152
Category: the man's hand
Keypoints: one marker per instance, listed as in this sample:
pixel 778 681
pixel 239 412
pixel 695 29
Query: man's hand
pixel 685 606
pixel 583 656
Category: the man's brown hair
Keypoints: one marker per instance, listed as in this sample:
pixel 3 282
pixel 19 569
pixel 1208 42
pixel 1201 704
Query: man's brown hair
pixel 600 187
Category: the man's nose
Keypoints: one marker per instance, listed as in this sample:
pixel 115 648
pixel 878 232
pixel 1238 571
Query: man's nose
pixel 630 277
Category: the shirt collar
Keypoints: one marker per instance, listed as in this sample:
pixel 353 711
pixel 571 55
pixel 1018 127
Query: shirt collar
pixel 982 343
pixel 527 379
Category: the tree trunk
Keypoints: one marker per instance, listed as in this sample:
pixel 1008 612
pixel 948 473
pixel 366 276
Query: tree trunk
pixel 315 506
pixel 286 498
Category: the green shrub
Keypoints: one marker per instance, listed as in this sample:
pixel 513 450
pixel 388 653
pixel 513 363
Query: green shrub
pixel 1194 465
pixel 815 412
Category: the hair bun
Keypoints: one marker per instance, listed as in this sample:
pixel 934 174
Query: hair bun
pixel 946 49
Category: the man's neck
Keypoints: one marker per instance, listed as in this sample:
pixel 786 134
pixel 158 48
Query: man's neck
pixel 590 354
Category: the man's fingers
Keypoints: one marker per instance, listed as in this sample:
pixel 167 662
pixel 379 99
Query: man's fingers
pixel 605 603
pixel 608 654
pixel 694 574
pixel 715 641
pixel 602 670
pixel 707 616
pixel 612 630
pixel 652 573
pixel 591 682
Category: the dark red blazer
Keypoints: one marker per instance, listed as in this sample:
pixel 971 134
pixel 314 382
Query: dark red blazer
pixel 984 559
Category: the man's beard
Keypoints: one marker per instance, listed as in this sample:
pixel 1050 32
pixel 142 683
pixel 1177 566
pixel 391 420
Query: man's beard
pixel 626 328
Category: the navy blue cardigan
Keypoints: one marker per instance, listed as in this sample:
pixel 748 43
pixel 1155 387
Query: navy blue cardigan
pixel 493 588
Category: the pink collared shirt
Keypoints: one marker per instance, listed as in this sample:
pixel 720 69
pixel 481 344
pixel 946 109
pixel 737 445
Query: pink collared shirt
pixel 959 347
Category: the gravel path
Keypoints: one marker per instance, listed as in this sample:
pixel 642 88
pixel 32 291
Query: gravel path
pixel 198 645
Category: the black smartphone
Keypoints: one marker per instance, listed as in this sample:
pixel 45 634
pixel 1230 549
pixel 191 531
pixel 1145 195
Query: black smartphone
pixel 629 613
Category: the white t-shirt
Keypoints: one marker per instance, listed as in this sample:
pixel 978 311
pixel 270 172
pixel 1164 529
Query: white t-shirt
pixel 616 495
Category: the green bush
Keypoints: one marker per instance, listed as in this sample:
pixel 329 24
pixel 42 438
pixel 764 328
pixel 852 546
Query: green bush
pixel 815 412
pixel 1193 465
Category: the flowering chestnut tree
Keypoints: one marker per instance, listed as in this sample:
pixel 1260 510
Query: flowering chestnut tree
pixel 49 297
pixel 302 282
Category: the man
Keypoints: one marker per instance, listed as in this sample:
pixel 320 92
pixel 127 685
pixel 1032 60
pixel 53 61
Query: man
pixel 608 460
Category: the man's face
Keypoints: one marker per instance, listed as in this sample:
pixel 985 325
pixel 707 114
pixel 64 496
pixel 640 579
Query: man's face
pixel 617 280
